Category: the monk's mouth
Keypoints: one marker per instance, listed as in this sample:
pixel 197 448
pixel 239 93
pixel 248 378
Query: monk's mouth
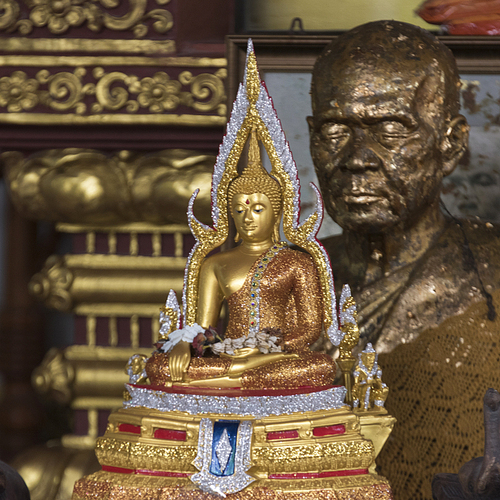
pixel 362 199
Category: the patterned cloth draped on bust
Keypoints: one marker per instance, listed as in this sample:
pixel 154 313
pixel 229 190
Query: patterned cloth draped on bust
pixel 290 296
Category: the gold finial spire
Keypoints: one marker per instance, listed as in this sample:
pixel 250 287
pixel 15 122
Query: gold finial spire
pixel 253 81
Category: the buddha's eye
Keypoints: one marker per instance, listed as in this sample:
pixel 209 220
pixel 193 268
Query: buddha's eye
pixel 258 209
pixel 239 209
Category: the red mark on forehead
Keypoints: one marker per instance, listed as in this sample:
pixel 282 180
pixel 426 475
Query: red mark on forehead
pixel 247 202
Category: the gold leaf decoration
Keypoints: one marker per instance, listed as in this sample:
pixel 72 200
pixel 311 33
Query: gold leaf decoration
pixel 60 15
pixel 93 90
pixel 17 92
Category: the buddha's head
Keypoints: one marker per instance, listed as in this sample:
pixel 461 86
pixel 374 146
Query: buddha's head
pixel 385 128
pixel 255 200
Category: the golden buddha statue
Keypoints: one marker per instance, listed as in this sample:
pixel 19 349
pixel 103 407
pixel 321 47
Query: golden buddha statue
pixel 259 416
pixel 267 287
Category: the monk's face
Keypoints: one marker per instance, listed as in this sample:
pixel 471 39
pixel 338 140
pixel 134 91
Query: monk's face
pixel 253 217
pixel 376 144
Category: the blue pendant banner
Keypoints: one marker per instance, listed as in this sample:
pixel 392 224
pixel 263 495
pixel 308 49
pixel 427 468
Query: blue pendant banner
pixel 224 440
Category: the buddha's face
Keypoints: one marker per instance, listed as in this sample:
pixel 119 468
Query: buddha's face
pixel 253 217
pixel 378 134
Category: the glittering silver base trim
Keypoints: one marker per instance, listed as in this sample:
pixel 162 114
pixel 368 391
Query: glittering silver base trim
pixel 257 406
pixel 228 484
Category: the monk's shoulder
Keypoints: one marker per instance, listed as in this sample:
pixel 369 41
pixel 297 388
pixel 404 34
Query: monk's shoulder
pixel 334 245
pixel 483 238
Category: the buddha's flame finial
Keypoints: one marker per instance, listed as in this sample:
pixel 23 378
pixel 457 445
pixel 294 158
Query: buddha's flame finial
pixel 252 75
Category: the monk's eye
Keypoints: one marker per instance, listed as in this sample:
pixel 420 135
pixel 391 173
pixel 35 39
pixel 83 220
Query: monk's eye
pixel 391 133
pixel 335 133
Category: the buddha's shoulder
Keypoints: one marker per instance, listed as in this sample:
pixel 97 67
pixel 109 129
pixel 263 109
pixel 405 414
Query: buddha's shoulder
pixel 215 261
pixel 299 257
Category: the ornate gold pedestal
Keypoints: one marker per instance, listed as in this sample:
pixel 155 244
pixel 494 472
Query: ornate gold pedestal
pixel 318 454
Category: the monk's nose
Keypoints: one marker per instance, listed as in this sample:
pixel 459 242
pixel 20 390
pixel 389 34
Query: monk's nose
pixel 362 156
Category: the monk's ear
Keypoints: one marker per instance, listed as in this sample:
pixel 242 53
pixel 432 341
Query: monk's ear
pixel 454 143
pixel 310 122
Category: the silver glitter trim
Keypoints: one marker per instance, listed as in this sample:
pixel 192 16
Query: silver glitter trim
pixel 257 406
pixel 319 210
pixel 255 286
pixel 346 316
pixel 229 484
pixel 165 320
pixel 367 398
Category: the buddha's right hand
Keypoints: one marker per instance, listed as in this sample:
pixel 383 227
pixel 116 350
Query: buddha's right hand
pixel 178 361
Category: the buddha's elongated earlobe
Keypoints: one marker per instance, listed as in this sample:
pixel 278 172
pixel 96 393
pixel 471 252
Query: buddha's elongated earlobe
pixel 237 237
pixel 276 232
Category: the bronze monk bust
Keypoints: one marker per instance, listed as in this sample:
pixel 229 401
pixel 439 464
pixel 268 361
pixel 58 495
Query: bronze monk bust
pixel 385 131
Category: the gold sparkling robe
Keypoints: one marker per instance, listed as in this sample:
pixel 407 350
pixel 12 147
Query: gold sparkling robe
pixel 290 299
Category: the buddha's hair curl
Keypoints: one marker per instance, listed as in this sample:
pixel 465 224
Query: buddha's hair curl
pixel 255 179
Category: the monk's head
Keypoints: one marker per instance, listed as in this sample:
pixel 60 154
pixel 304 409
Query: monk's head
pixel 385 128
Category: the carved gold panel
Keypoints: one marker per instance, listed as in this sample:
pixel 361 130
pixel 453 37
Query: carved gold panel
pixel 139 18
pixel 79 90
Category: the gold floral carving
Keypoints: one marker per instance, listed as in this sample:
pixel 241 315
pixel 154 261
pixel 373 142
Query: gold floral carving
pixel 138 455
pixel 85 186
pixel 18 93
pixel 67 282
pixel 114 91
pixel 59 15
pixel 84 377
pixel 337 455
pixel 52 284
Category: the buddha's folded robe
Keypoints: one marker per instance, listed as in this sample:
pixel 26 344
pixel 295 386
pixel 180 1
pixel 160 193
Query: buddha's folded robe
pixel 289 300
